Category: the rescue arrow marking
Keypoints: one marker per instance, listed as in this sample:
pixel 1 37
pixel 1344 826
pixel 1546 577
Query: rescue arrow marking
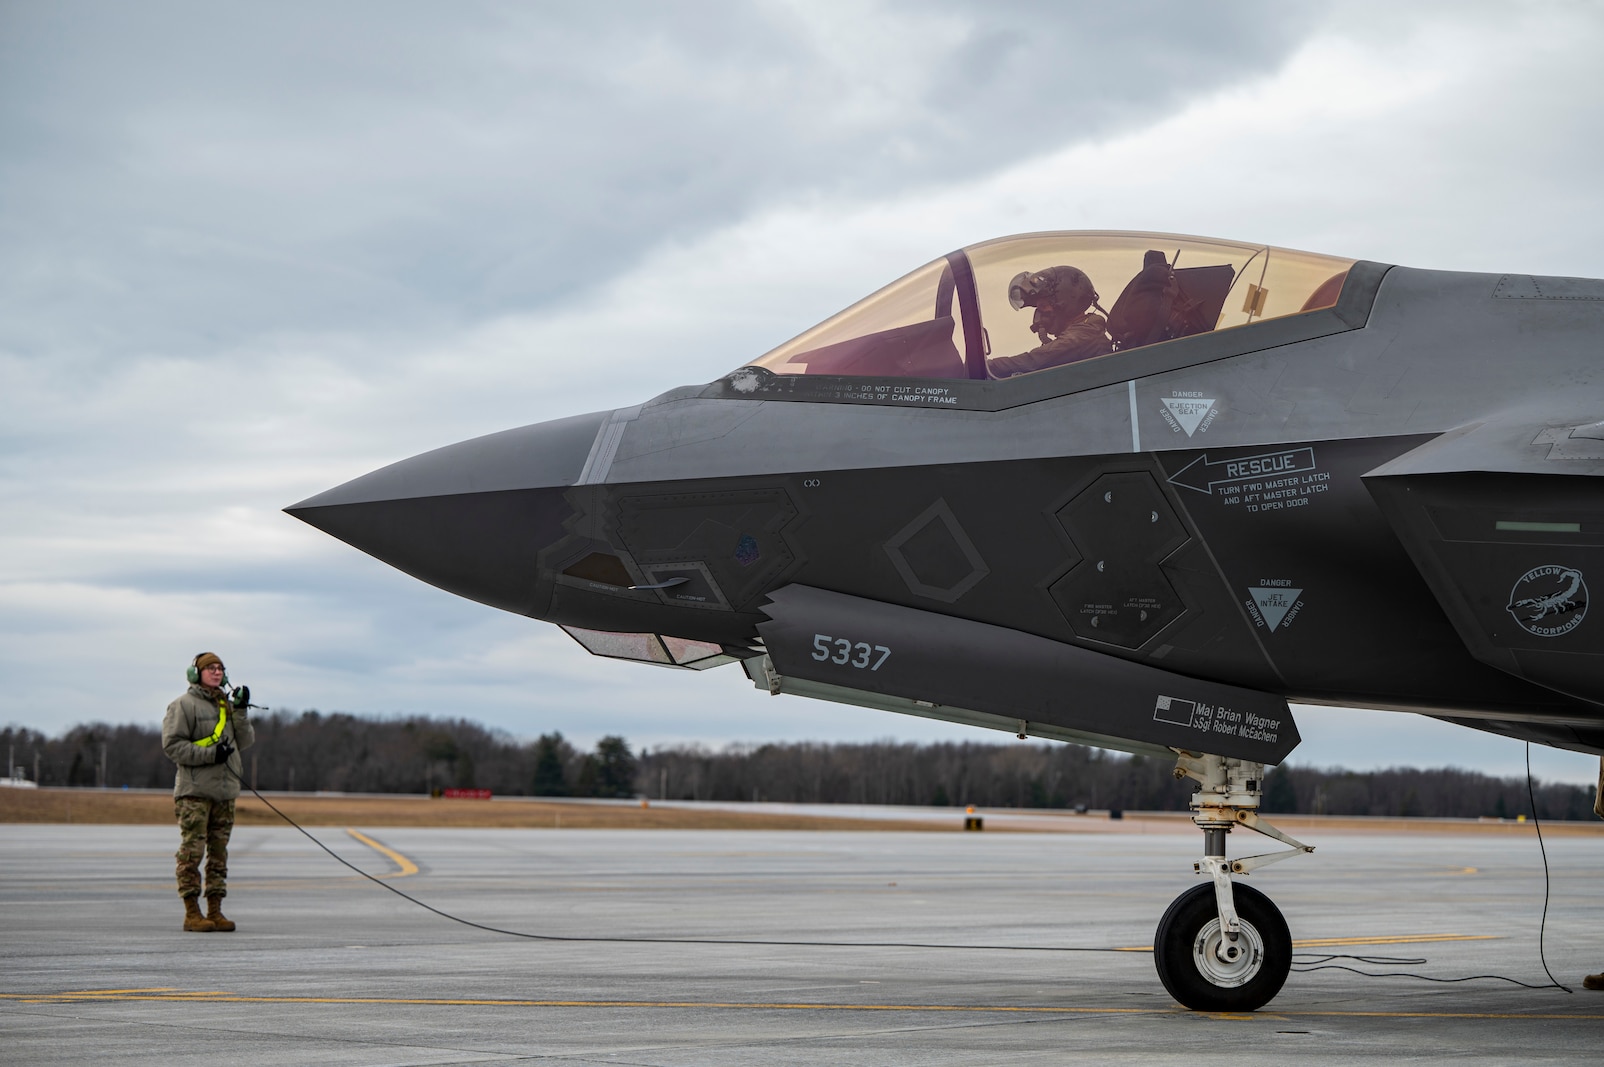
pixel 1202 474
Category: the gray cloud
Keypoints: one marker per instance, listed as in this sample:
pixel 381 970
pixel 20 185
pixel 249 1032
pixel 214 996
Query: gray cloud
pixel 183 175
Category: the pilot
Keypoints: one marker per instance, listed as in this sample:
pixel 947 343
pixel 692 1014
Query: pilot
pixel 1069 330
pixel 202 733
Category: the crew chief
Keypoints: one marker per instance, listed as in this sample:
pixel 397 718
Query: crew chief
pixel 203 733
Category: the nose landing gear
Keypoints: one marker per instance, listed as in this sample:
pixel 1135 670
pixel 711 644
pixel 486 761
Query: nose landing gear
pixel 1221 947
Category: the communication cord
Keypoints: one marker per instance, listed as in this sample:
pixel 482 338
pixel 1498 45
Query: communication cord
pixel 1542 927
pixel 1301 962
pixel 664 940
pixel 1304 962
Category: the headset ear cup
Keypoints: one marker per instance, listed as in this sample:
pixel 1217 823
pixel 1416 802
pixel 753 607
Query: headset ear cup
pixel 192 674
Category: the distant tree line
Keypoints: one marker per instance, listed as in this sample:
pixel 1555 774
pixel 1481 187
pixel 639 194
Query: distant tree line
pixel 1440 792
pixel 945 774
pixel 1070 776
pixel 310 751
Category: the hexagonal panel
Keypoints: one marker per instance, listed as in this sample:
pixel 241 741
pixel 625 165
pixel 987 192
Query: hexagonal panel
pixel 1123 515
pixel 1118 594
pixel 1123 607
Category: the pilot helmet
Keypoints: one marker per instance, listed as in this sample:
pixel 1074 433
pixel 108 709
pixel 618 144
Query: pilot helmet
pixel 1066 288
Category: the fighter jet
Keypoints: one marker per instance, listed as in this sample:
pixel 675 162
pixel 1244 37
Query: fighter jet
pixel 1131 490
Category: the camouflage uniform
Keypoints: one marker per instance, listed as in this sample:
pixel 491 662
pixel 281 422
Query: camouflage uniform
pixel 204 790
pixel 204 826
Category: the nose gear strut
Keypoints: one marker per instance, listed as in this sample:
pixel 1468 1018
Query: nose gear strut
pixel 1235 954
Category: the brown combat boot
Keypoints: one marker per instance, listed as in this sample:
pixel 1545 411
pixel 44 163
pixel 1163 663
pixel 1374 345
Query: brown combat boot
pixel 194 921
pixel 214 915
pixel 1593 981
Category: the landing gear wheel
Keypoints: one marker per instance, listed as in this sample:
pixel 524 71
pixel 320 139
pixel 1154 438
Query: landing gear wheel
pixel 1205 971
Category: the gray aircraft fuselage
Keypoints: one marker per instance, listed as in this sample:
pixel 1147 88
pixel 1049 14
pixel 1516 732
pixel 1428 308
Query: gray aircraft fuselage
pixel 1391 502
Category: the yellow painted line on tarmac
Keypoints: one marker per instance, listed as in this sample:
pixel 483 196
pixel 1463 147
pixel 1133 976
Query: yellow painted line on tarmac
pixel 1399 939
pixel 991 1009
pixel 1329 942
pixel 445 1002
pixel 406 866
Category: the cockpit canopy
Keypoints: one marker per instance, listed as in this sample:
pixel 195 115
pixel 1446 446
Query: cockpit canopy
pixel 1021 304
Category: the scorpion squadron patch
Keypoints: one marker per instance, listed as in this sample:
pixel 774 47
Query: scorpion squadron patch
pixel 1549 601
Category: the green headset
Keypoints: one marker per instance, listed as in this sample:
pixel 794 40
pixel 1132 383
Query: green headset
pixel 192 672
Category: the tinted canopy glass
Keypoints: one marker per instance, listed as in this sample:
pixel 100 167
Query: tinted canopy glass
pixel 1022 304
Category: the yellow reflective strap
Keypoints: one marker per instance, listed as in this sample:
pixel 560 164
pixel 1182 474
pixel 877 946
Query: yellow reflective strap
pixel 217 734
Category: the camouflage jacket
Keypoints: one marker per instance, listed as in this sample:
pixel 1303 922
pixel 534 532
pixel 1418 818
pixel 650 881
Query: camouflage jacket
pixel 191 718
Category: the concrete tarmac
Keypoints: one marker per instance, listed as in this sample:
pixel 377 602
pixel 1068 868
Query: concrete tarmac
pixel 1041 950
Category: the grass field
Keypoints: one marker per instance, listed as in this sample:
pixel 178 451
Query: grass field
pixel 119 806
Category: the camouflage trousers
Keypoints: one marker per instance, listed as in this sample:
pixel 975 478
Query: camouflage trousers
pixel 204 827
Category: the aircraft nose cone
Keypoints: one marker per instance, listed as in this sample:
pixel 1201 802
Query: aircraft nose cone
pixel 469 518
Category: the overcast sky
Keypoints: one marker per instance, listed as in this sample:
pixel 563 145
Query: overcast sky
pixel 250 252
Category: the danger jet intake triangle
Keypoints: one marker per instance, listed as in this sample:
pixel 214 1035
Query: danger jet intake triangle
pixel 1274 603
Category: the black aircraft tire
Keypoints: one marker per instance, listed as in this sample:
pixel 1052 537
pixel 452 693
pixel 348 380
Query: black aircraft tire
pixel 1176 948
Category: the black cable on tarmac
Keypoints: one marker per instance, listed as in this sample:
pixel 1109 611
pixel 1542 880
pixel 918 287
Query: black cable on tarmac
pixel 666 940
pixel 1323 963
pixel 1307 965
pixel 1542 927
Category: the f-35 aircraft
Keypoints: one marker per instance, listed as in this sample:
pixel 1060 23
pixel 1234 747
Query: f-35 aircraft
pixel 1131 490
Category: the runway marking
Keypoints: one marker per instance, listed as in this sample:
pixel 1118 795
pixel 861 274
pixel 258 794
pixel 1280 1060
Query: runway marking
pixel 444 1002
pixel 1391 939
pixel 112 996
pixel 1407 939
pixel 1327 942
pixel 406 866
